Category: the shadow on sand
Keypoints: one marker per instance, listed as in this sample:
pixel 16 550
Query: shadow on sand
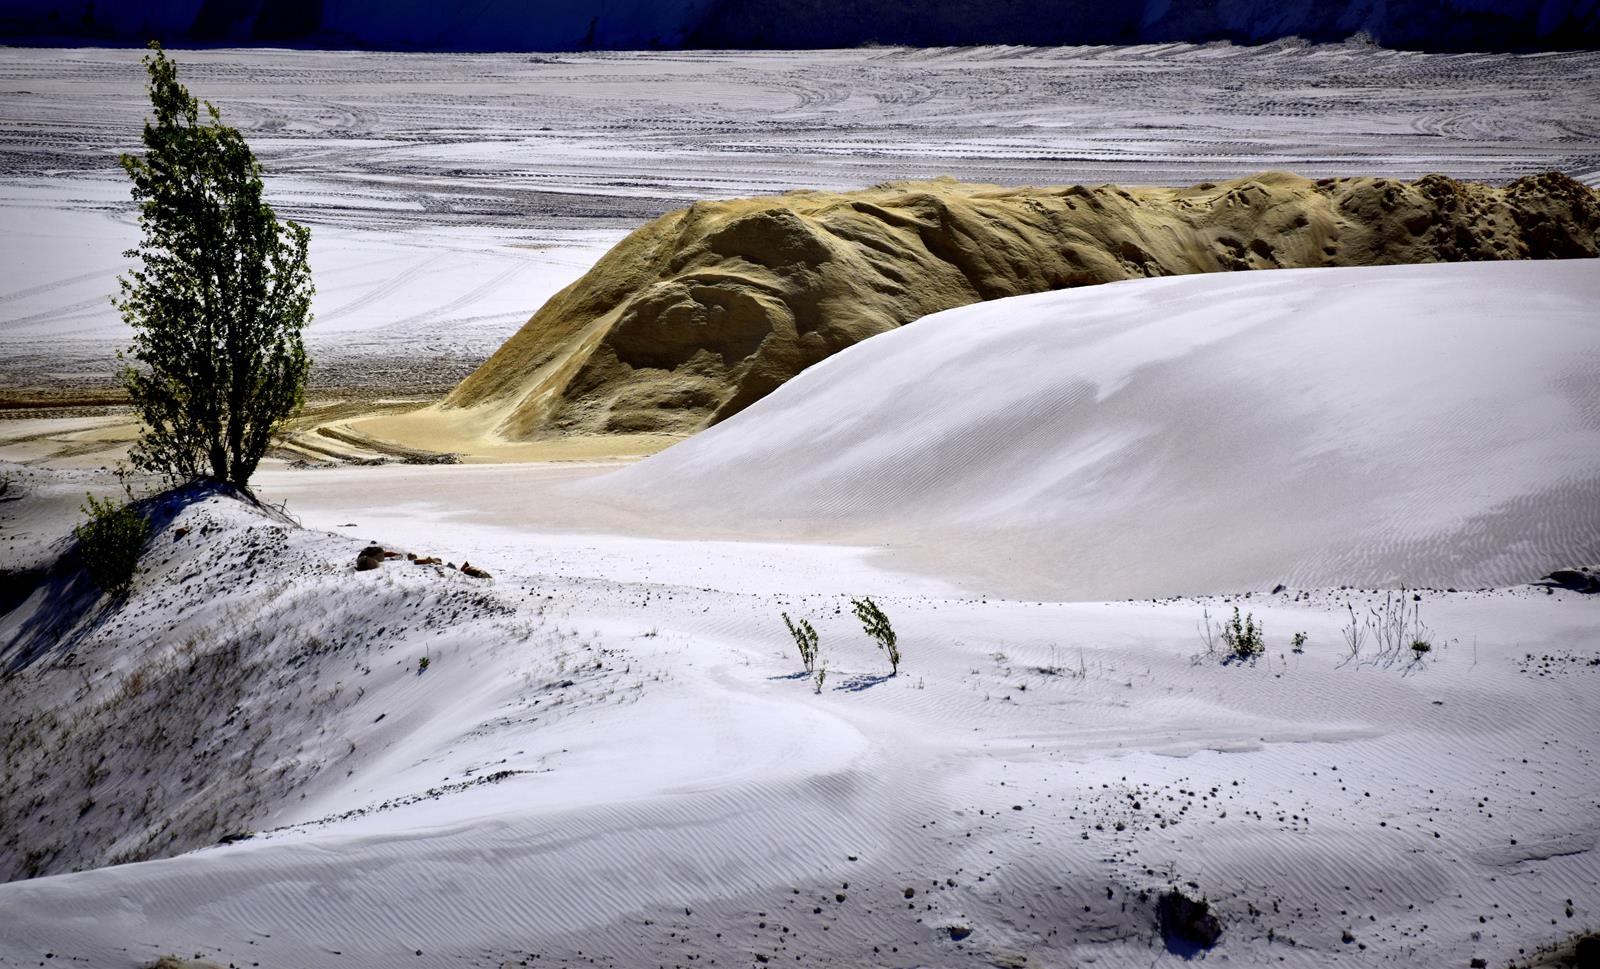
pixel 62 606
pixel 856 684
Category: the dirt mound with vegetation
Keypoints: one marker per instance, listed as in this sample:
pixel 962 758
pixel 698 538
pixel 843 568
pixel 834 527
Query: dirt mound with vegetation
pixel 703 311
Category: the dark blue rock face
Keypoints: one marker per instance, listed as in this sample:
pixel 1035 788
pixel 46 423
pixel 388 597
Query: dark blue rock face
pixel 560 25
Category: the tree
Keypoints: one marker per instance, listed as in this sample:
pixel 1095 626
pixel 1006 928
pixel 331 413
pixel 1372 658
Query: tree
pixel 220 299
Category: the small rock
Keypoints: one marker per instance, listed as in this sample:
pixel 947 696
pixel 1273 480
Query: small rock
pixel 1187 919
pixel 959 932
pixel 1578 580
pixel 467 568
pixel 366 563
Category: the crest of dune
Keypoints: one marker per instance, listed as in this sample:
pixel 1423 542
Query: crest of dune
pixel 705 310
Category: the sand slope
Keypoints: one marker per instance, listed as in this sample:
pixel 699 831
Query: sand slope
pixel 1435 425
pixel 612 763
pixel 704 311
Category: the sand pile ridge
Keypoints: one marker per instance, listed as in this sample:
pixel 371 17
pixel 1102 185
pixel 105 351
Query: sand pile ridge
pixel 706 310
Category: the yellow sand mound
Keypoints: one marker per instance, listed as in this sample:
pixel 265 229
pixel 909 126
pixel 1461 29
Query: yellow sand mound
pixel 705 310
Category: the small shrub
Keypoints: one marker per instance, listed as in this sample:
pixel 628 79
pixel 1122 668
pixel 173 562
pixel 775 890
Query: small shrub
pixel 422 666
pixel 1420 648
pixel 819 676
pixel 805 640
pixel 1298 642
pixel 1245 638
pixel 110 542
pixel 876 625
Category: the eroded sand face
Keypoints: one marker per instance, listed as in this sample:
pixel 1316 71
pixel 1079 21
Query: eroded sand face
pixel 705 311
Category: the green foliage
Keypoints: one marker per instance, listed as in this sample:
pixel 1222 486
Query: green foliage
pixel 219 300
pixel 805 640
pixel 422 666
pixel 1420 648
pixel 1298 643
pixel 1244 638
pixel 876 625
pixel 110 542
pixel 819 675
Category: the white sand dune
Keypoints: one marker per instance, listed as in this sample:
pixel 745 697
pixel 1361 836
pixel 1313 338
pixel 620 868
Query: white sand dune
pixel 1429 425
pixel 610 759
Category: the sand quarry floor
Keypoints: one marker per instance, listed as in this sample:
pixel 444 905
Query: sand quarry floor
pixel 612 756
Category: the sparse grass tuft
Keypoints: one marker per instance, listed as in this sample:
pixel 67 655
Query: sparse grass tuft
pixel 876 625
pixel 1395 627
pixel 805 640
